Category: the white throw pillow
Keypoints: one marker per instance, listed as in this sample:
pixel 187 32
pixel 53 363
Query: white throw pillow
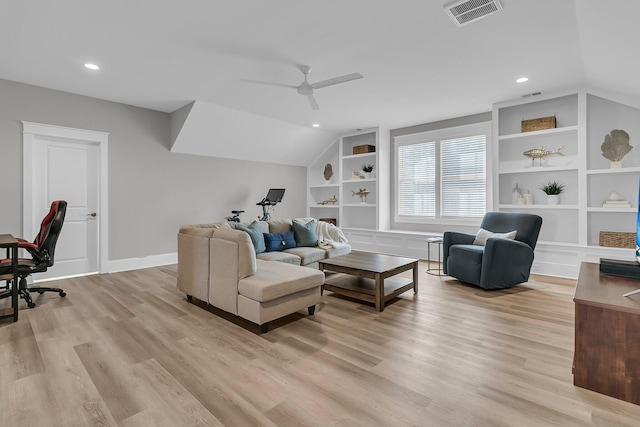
pixel 483 235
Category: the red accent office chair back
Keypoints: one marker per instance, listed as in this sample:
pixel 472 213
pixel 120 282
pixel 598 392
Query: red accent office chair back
pixel 42 249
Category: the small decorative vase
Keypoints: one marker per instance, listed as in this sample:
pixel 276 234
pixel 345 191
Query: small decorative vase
pixel 327 181
pixel 616 165
pixel 367 175
pixel 553 199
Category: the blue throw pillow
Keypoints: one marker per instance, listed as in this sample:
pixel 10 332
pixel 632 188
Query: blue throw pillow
pixel 279 241
pixel 305 232
pixel 255 232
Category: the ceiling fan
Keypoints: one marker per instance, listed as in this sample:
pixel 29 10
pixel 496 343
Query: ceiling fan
pixel 305 88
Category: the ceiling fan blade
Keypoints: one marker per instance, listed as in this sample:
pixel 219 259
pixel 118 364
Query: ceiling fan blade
pixel 313 102
pixel 262 82
pixel 336 80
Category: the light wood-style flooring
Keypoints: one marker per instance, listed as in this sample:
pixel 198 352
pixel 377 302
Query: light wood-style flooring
pixel 127 349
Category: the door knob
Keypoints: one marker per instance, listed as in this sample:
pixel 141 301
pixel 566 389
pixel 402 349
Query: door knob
pixel 93 214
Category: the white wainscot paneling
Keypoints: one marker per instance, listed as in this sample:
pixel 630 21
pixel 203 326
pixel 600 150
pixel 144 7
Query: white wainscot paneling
pixel 393 243
pixel 560 261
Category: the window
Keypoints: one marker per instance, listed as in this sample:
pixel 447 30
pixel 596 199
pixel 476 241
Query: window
pixel 441 174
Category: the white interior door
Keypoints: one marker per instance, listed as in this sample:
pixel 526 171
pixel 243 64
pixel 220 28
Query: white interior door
pixel 66 168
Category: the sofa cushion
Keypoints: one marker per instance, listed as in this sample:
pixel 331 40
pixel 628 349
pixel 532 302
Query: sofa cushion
pixel 246 256
pixel 279 225
pixel 305 232
pixel 255 232
pixel 197 231
pixel 280 257
pixel 276 279
pixel 279 241
pixel 308 255
pixel 342 250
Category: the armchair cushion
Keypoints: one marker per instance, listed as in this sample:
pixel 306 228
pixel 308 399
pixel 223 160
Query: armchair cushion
pixel 466 261
pixel 483 235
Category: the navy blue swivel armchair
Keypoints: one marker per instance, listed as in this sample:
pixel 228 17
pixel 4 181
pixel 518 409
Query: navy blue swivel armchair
pixel 500 263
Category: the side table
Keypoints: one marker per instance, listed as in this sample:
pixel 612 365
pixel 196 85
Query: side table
pixel 432 270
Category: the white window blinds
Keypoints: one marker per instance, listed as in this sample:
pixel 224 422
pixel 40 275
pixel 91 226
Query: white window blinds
pixel 417 179
pixel 442 174
pixel 463 176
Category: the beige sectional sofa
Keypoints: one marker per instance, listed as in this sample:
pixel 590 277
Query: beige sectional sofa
pixel 219 265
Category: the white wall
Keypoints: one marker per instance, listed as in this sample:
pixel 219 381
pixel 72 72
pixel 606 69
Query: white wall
pixel 152 192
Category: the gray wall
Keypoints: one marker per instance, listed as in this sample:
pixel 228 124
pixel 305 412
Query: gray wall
pixel 152 191
pixel 443 124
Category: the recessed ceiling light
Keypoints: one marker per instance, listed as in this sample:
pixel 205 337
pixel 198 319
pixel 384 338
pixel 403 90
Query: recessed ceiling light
pixel 92 66
pixel 315 125
pixel 522 79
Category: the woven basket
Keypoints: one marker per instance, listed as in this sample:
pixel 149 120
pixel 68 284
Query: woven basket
pixel 329 220
pixel 614 239
pixel 538 124
pixel 362 149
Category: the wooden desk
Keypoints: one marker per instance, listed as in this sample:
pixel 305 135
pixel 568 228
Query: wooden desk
pixel 11 244
pixel 607 334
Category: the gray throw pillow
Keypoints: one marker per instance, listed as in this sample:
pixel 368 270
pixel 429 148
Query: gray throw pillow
pixel 305 232
pixel 255 232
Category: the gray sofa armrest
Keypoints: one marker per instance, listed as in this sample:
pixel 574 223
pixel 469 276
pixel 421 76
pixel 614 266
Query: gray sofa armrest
pixel 454 238
pixel 505 262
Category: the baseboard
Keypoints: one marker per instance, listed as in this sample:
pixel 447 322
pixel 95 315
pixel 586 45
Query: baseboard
pixel 142 262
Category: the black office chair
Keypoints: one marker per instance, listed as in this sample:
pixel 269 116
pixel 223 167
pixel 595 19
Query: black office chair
pixel 42 252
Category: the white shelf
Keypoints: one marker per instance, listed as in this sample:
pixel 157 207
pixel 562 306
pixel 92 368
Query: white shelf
pixel 612 210
pixel 325 186
pixel 538 133
pixel 346 181
pixel 612 171
pixel 360 156
pixel 537 170
pixel 551 207
pixel 557 244
pixel 348 211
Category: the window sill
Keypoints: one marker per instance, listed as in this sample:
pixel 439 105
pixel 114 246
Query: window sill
pixel 439 221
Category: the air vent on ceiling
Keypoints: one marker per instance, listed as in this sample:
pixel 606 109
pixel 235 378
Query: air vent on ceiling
pixel 466 11
pixel 527 95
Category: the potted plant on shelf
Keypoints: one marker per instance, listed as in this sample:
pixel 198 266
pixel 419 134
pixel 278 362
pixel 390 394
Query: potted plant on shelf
pixel 367 169
pixel 553 189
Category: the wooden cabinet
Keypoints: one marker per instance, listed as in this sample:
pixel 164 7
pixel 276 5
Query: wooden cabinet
pixel 607 335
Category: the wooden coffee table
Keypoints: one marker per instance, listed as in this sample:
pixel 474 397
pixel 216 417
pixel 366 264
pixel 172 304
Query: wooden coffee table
pixel 369 276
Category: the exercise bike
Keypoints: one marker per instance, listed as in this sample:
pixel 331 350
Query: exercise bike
pixel 273 197
pixel 235 217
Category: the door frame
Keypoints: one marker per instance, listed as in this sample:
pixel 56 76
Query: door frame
pixel 30 133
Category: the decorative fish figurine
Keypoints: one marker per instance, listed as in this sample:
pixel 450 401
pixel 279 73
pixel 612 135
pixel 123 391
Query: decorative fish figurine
pixel 332 200
pixel 362 193
pixel 540 153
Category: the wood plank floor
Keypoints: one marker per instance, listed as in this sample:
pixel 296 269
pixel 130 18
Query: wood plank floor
pixel 127 349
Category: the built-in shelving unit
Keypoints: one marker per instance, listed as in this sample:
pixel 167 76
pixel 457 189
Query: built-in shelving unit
pixel 350 211
pixel 582 121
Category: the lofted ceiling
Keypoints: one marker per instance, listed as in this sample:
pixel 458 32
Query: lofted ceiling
pixel 196 56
